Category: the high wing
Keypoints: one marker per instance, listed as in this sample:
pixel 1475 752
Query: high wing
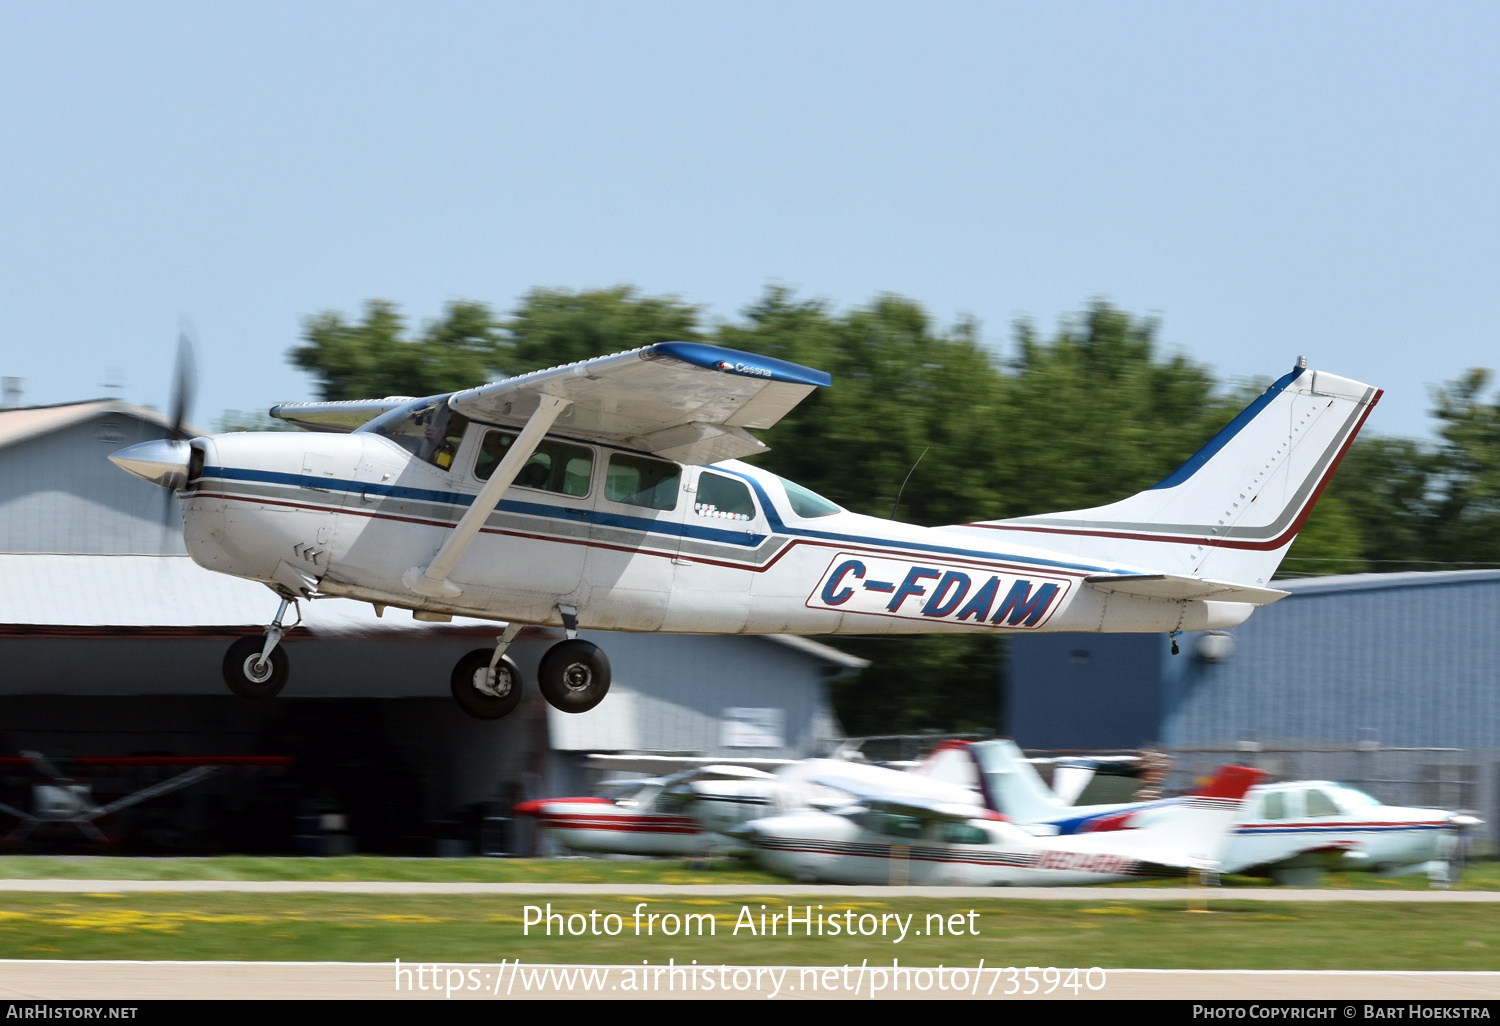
pixel 683 401
pixel 903 802
pixel 337 417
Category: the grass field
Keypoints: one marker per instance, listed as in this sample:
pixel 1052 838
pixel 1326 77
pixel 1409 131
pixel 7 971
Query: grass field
pixel 1478 876
pixel 423 929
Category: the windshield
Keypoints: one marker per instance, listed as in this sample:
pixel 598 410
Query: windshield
pixel 1352 798
pixel 805 503
pixel 426 428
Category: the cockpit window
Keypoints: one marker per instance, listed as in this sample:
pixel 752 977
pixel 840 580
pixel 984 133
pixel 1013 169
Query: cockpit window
pixel 554 467
pixel 806 503
pixel 427 429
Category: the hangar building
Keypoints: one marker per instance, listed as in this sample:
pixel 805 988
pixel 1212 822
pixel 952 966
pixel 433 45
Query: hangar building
pixel 111 642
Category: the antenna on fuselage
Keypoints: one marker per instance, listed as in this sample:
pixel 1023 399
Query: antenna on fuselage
pixel 907 478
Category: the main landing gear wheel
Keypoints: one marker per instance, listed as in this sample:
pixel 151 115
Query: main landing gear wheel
pixel 481 697
pixel 574 676
pixel 250 677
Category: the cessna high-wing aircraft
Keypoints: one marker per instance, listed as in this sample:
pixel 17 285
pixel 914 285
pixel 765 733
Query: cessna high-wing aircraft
pixel 607 494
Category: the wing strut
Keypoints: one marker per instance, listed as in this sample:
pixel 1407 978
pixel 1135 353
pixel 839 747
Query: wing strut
pixel 432 580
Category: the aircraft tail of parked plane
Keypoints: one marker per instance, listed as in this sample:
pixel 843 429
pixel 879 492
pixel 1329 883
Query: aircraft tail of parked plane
pixel 1229 513
pixel 1192 832
pixel 1012 785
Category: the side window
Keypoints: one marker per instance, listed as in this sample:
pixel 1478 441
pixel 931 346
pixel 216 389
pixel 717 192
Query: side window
pixel 964 833
pixel 639 481
pixel 1319 804
pixel 554 467
pixel 893 825
pixel 723 498
pixel 1273 806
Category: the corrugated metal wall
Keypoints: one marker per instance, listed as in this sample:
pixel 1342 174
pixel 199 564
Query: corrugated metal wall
pixel 1407 660
pixel 60 493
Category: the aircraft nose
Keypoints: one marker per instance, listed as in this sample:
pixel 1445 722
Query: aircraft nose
pixel 162 462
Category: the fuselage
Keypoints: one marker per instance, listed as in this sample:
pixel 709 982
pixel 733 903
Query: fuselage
pixel 628 826
pixel 878 848
pixel 632 542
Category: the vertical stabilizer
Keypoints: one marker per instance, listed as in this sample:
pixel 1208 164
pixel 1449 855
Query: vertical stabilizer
pixel 1231 511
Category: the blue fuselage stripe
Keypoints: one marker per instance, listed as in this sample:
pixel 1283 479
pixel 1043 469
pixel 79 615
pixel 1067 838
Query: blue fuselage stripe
pixel 643 524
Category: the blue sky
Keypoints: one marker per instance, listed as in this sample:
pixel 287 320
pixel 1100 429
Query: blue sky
pixel 1270 180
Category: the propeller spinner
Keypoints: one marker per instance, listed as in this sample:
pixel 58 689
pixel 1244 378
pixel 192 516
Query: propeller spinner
pixel 164 461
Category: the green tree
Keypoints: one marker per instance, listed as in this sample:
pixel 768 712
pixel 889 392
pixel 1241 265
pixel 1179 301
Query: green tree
pixel 1429 506
pixel 372 358
pixel 551 327
pixel 1466 507
pixel 1330 542
pixel 901 389
pixel 1096 413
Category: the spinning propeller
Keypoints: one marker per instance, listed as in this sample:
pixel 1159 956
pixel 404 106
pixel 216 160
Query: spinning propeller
pixel 164 461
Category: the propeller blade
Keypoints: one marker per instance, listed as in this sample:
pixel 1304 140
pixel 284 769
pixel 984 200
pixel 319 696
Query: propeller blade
pixel 184 385
pixel 184 378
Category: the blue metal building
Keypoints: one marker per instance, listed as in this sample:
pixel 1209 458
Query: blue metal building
pixel 1409 659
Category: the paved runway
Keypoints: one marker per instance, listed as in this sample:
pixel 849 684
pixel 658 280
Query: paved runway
pixel 58 886
pixel 140 981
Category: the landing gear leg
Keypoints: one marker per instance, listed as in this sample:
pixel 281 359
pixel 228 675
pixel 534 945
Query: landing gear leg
pixel 256 668
pixel 487 685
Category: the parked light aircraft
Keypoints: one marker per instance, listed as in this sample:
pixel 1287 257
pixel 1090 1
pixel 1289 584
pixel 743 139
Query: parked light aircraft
pixel 608 494
pixel 62 798
pixel 635 817
pixel 886 836
pixel 1290 831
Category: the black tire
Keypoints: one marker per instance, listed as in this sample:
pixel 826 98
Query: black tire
pixel 241 675
pixel 574 676
pixel 475 702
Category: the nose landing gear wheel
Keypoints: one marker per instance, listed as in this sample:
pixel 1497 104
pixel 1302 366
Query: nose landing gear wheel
pixel 480 697
pixel 249 677
pixel 574 676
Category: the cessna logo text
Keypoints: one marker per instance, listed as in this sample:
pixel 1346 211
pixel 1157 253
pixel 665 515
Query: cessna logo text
pixel 934 591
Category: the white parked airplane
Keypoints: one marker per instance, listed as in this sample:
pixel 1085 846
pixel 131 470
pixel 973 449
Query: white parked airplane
pixel 886 836
pixel 607 494
pixel 648 816
pixel 1290 831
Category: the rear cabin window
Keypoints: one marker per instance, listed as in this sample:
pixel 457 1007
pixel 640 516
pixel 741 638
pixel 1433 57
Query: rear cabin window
pixel 431 433
pixel 638 481
pixel 964 833
pixel 554 467
pixel 1273 806
pixel 893 825
pixel 723 498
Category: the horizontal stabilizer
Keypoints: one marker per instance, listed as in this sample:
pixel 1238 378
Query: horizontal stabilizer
pixel 1184 589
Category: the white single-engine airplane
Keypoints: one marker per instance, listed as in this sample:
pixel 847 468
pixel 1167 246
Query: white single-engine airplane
pixel 607 494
